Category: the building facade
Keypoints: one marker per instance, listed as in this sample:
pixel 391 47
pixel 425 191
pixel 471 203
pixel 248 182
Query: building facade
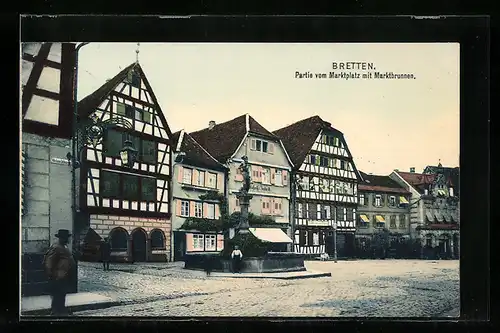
pixel 47 71
pixel 325 187
pixel 196 174
pixel 270 166
pixel 131 206
pixel 434 209
pixel 382 204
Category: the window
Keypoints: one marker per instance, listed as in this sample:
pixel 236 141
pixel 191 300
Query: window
pixel 378 200
pixel 331 140
pixel 305 183
pixel 428 240
pixel 392 201
pixel 148 152
pixel 277 208
pixel 361 199
pixel 362 223
pixel 325 186
pixel 300 210
pixel 187 176
pixel 278 178
pixel 198 242
pixel 210 242
pixel 343 165
pixel 402 221
pixel 148 189
pixel 313 159
pixel 134 79
pixel 266 176
pixel 315 238
pixel 303 237
pixel 392 222
pixel 200 179
pixel 318 212
pixel 198 209
pixel 258 144
pixel 266 204
pixel 210 211
pixel 157 240
pixel 349 214
pixel 335 141
pixel 264 146
pixel 130 187
pixel 110 184
pixel 307 210
pixel 323 161
pixel 326 213
pixel 114 141
pixel 340 213
pixel 184 208
pixel 212 180
pixel 313 214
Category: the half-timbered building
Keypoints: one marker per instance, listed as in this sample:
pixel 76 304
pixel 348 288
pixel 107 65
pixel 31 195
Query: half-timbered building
pixel 434 209
pixel 131 206
pixel 196 175
pixel 47 97
pixel 325 183
pixel 269 163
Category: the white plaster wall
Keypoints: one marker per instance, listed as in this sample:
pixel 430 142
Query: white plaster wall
pixel 47 192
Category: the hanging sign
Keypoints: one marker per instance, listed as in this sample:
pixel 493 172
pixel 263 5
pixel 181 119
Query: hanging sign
pixel 61 161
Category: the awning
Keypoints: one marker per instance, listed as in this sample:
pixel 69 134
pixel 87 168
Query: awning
pixel 364 218
pixel 403 200
pixel 380 219
pixel 439 216
pixel 270 235
pixel 441 192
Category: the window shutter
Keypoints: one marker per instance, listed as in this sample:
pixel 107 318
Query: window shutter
pixel 272 207
pixel 285 177
pixel 180 174
pixel 374 197
pixel 191 208
pixel 205 210
pixel 194 176
pixel 382 199
pixel 279 210
pixel 273 176
pixel 238 176
pixel 220 242
pixel 270 147
pixel 220 181
pixel 217 211
pixel 253 144
pixel 179 207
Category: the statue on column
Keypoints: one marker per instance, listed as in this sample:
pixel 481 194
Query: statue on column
pixel 246 175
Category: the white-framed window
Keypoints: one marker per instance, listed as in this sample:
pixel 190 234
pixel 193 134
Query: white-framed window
pixel 210 242
pixel 266 177
pixel 201 178
pixel 212 180
pixel 260 145
pixel 278 179
pixel 378 200
pixel 325 185
pixel 361 199
pixel 307 211
pixel 392 201
pixel 198 242
pixel 210 211
pixel 300 210
pixel 184 208
pixel 198 209
pixel 187 176
pixel 318 212
pixel 305 183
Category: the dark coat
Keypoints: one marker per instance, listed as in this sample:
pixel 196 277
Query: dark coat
pixel 105 250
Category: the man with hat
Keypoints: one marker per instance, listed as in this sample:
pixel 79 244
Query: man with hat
pixel 59 265
pixel 105 250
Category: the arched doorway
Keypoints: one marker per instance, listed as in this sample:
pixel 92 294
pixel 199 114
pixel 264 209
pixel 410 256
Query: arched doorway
pixel 139 248
pixel 456 246
pixel 118 238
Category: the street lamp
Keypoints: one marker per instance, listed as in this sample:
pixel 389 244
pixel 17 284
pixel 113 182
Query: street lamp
pixel 128 154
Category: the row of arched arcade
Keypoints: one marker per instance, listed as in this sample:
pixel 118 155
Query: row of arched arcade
pixel 138 246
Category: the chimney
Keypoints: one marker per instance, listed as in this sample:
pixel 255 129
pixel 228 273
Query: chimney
pixel 412 169
pixel 211 124
pixel 396 170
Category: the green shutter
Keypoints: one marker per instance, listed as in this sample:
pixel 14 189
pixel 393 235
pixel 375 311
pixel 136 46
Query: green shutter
pixel 318 158
pixel 120 109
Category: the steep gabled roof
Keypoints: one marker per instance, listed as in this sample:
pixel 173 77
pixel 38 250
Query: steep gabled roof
pixel 380 183
pixel 89 104
pixel 418 181
pixel 223 139
pixel 452 175
pixel 195 154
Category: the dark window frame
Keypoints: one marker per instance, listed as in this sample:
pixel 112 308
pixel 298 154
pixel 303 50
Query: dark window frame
pixel 155 246
pixel 140 196
pixel 138 144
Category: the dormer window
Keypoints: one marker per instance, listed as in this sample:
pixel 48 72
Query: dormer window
pixel 262 146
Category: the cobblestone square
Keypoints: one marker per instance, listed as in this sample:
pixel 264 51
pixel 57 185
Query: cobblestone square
pixel 371 288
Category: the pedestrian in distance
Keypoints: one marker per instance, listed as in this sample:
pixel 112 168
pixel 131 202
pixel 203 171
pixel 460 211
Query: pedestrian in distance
pixel 105 249
pixel 236 257
pixel 59 266
pixel 209 264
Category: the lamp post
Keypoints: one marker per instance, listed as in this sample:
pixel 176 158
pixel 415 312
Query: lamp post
pixel 90 131
pixel 335 237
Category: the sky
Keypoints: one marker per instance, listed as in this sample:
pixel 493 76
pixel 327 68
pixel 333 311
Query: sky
pixel 387 123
